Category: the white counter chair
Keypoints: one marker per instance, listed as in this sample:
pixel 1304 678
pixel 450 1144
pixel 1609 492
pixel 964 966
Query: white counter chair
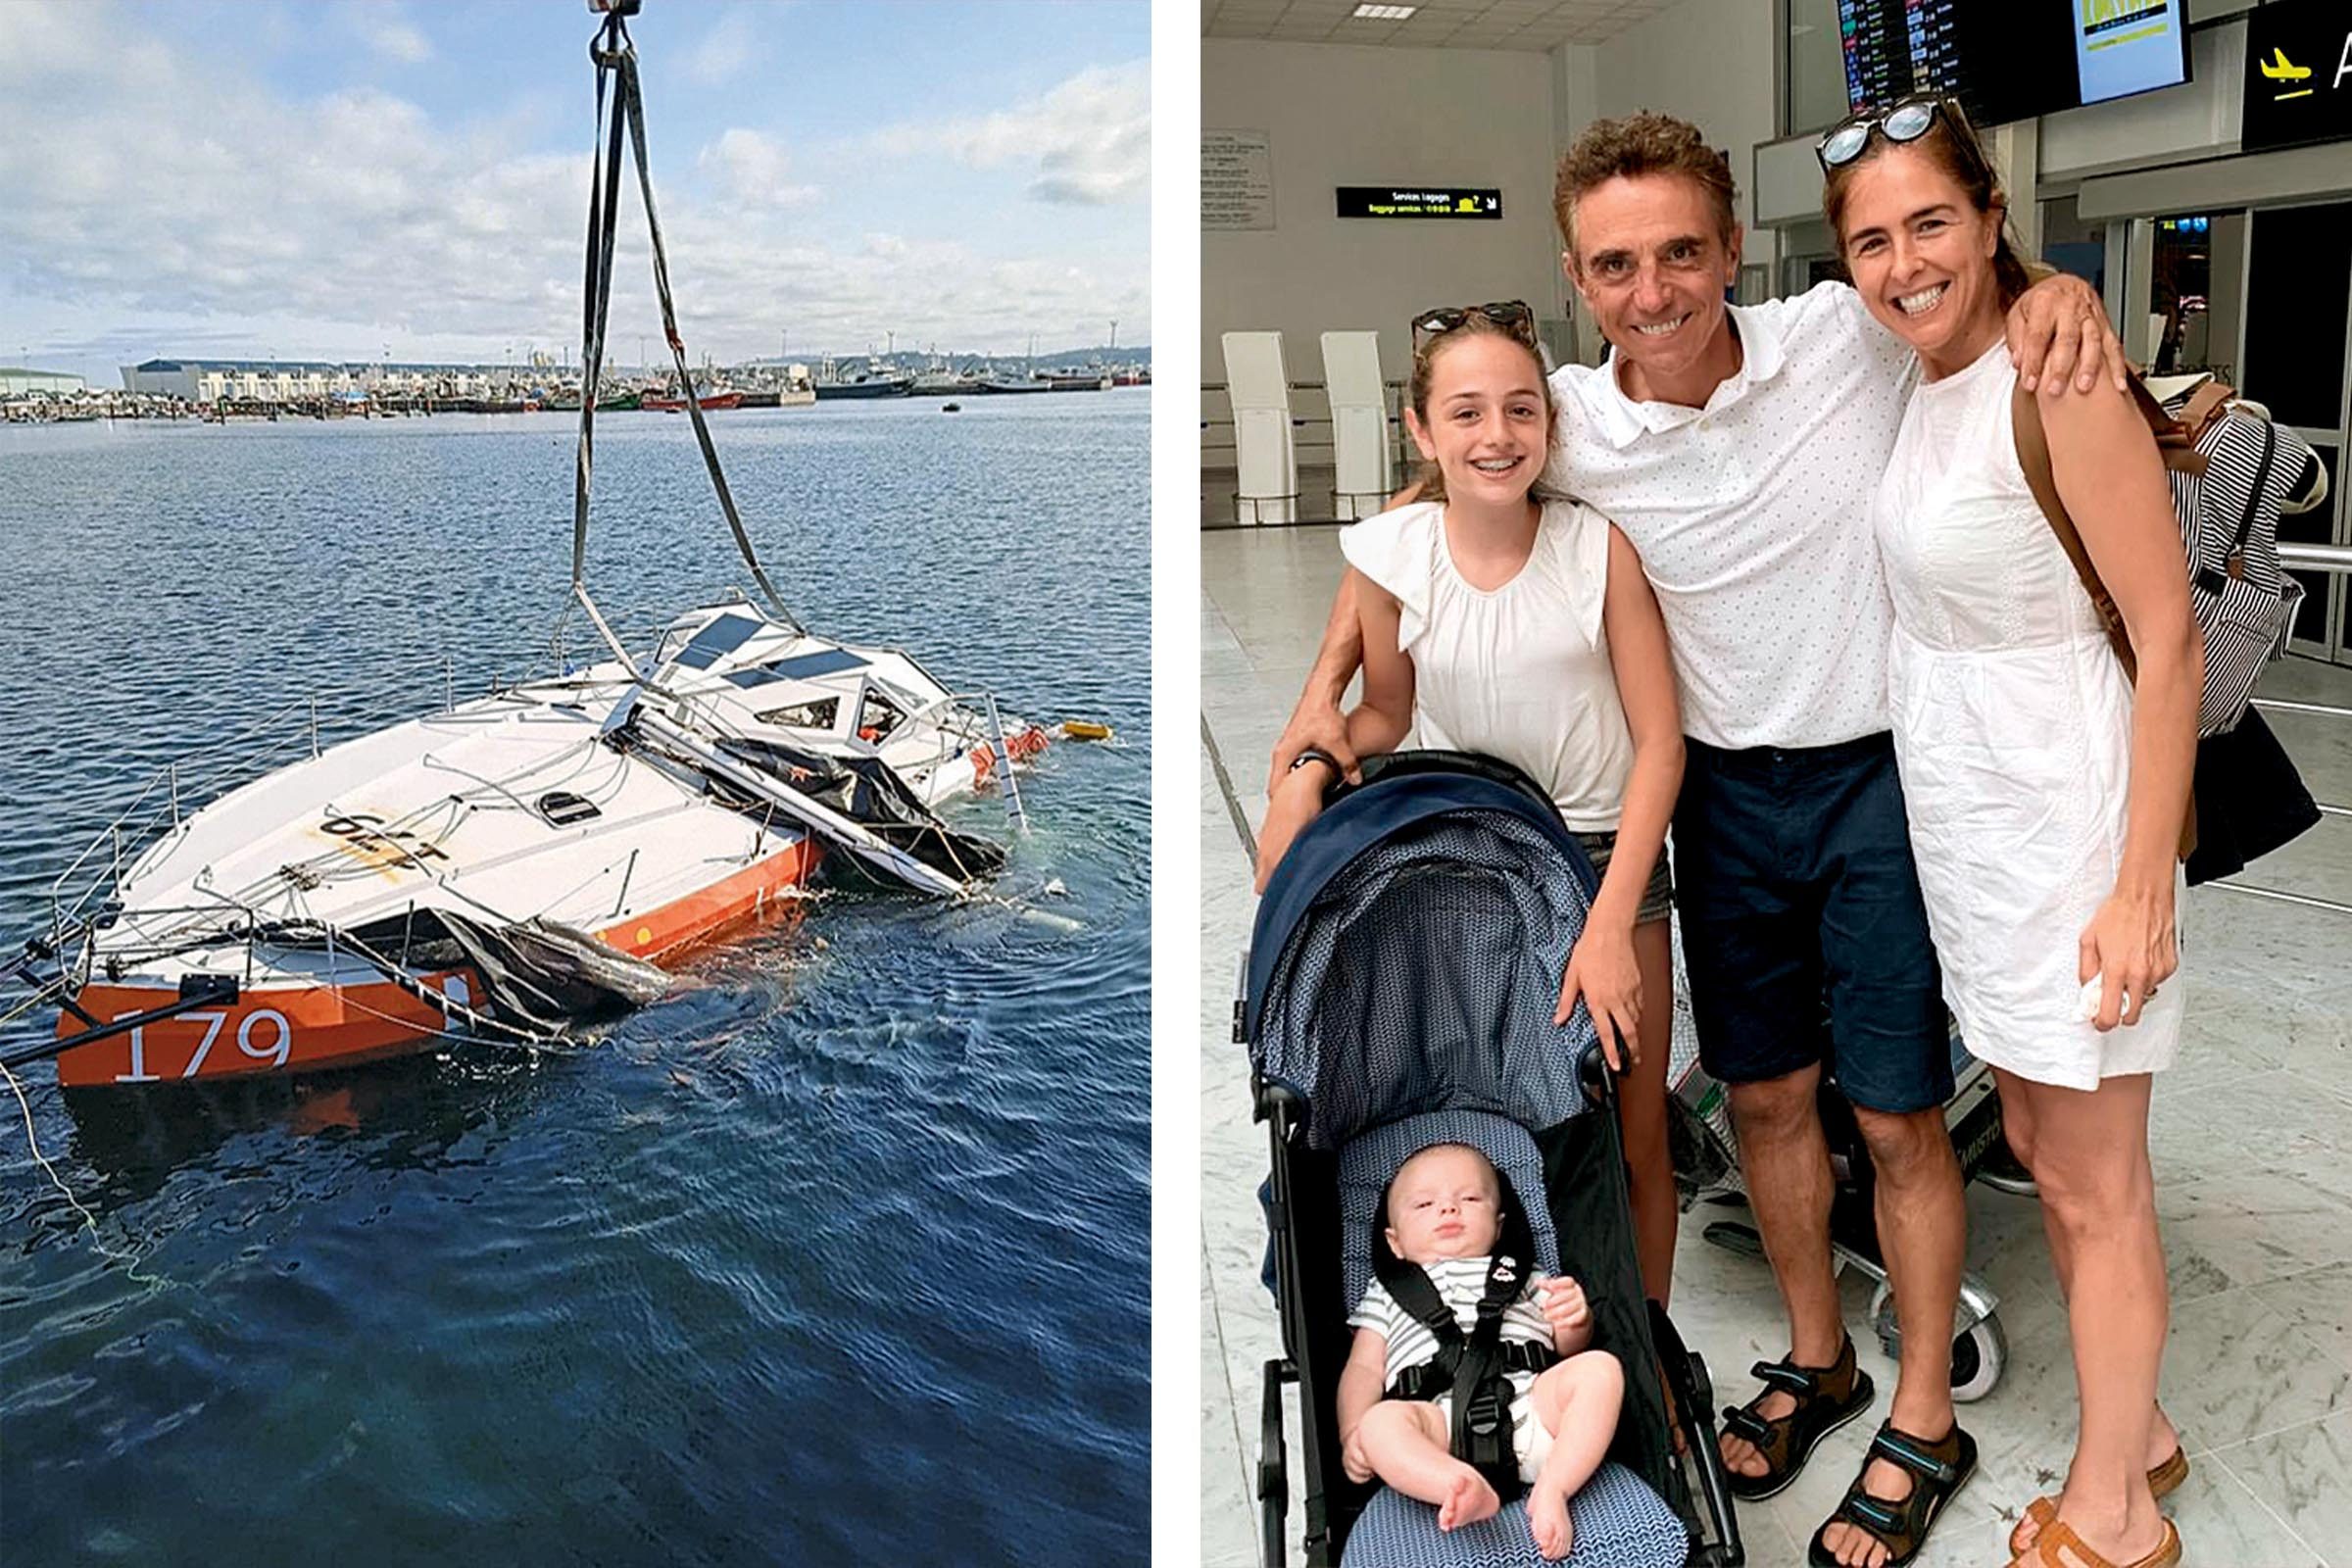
pixel 1363 451
pixel 1264 454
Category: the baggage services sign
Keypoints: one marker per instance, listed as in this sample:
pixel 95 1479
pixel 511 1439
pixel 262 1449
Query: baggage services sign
pixel 2298 74
pixel 1419 201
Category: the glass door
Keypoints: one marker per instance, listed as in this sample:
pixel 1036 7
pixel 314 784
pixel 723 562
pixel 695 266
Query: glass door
pixel 2296 351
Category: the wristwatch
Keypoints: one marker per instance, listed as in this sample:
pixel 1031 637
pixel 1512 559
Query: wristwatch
pixel 1316 754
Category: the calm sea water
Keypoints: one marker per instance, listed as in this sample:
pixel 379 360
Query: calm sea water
pixel 839 1253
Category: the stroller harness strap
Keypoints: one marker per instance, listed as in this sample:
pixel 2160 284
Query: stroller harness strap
pixel 1474 1367
pixel 1431 1379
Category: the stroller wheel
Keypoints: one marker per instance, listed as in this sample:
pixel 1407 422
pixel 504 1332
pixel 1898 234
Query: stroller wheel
pixel 1978 1357
pixel 1883 1321
pixel 2003 1172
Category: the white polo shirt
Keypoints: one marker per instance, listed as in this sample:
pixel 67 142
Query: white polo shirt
pixel 1752 516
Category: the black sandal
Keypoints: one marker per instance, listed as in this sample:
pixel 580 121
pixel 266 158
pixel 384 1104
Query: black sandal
pixel 1787 1442
pixel 1938 1470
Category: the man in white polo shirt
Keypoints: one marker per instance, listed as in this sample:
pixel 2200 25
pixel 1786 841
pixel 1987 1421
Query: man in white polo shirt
pixel 1738 448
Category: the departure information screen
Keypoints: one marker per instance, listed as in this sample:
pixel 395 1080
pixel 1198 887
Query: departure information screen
pixel 2127 47
pixel 2011 60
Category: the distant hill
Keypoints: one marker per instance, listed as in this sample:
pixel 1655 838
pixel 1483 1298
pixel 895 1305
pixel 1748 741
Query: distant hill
pixel 916 360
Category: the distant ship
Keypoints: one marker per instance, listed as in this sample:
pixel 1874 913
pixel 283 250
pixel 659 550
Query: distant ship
pixel 876 380
pixel 671 403
pixel 940 382
pixel 1087 380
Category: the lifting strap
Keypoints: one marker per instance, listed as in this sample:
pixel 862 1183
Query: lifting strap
pixel 617 57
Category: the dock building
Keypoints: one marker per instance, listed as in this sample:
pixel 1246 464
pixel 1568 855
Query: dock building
pixel 15 381
pixel 315 380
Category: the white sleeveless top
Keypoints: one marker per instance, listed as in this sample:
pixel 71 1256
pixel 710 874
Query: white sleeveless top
pixel 1522 671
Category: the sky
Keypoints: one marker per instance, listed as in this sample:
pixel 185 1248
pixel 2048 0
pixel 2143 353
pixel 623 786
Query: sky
pixel 357 180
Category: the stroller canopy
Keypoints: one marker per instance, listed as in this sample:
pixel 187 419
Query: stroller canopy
pixel 1409 952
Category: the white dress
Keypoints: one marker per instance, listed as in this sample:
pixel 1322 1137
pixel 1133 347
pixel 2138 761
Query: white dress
pixel 2013 733
pixel 1521 671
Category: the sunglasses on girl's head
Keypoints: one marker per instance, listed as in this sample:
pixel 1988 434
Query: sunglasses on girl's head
pixel 1908 120
pixel 1514 316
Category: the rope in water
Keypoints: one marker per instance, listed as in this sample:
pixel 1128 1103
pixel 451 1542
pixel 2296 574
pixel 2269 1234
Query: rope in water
pixel 32 1145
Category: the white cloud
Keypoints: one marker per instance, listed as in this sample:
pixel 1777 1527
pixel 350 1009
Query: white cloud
pixel 754 170
pixel 145 187
pixel 731 46
pixel 386 32
pixel 1090 138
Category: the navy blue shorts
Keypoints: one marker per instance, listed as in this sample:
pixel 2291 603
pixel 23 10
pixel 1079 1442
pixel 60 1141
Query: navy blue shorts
pixel 1803 930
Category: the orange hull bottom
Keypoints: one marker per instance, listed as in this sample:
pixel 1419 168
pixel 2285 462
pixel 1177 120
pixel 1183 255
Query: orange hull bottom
pixel 311 1028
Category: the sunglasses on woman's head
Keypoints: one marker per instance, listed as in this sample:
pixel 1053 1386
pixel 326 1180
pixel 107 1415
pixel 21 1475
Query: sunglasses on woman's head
pixel 1908 120
pixel 1514 316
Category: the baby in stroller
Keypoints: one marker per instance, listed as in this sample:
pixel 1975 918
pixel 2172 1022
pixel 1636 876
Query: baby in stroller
pixel 1400 993
pixel 1443 1229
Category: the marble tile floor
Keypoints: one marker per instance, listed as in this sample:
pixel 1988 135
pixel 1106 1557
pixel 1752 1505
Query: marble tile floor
pixel 2252 1138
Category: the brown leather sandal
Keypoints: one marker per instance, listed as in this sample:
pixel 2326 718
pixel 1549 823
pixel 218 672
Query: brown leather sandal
pixel 2058 1546
pixel 1827 1398
pixel 1938 1470
pixel 2163 1481
pixel 2167 1477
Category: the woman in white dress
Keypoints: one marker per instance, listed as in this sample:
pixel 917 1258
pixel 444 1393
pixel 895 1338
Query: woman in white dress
pixel 2046 793
pixel 1525 629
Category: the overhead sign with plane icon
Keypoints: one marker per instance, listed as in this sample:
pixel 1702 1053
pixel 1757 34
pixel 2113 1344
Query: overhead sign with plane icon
pixel 2298 74
pixel 1418 201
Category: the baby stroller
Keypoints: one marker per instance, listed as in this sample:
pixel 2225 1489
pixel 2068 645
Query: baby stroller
pixel 1399 993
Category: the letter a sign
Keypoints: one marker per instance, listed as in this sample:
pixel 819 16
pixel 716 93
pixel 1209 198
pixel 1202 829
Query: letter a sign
pixel 2298 74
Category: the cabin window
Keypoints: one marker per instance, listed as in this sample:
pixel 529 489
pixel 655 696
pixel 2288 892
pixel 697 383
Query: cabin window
pixel 877 716
pixel 562 808
pixel 819 714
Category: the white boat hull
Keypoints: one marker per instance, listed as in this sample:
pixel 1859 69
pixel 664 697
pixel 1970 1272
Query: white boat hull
pixel 513 808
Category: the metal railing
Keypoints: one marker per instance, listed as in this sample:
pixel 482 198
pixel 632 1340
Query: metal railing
pixel 1310 432
pixel 161 805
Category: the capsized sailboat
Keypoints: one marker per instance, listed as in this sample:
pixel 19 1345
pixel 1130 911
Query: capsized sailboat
pixel 525 862
pixel 520 864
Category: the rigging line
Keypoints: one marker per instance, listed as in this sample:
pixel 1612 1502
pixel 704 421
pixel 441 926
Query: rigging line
pixel 89 1221
pixel 445 1006
pixel 633 99
pixel 523 1043
pixel 43 995
pixel 596 289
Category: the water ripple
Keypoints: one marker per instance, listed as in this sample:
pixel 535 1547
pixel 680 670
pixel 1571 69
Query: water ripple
pixel 857 1214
